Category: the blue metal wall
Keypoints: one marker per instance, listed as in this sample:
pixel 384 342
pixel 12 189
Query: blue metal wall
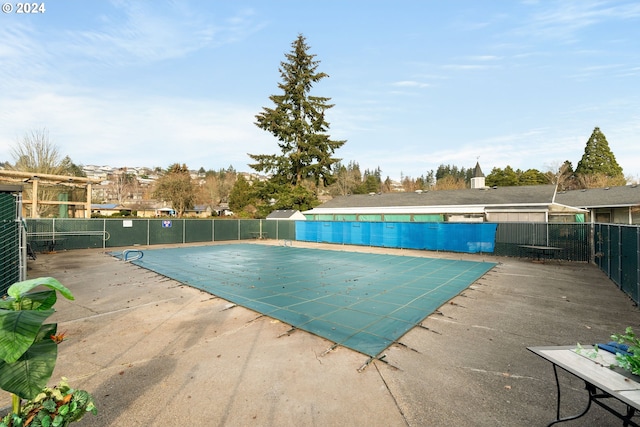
pixel 442 236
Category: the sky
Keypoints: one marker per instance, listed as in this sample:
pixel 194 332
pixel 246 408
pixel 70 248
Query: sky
pixel 415 84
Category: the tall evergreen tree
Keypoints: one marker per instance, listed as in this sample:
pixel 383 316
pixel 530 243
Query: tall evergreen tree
pixel 241 195
pixel 598 158
pixel 454 172
pixel 298 122
pixel 532 177
pixel 502 178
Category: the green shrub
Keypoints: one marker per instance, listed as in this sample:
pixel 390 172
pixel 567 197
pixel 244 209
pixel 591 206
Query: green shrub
pixel 630 362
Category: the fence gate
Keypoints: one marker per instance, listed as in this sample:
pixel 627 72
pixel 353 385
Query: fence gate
pixel 13 263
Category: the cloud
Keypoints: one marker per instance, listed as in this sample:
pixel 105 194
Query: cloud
pixel 596 71
pixel 464 67
pixel 629 72
pixel 484 58
pixel 149 83
pixel 140 132
pixel 536 148
pixel 475 62
pixel 125 34
pixel 410 84
pixel 23 57
pixel 562 21
pixel 146 32
pixel 46 84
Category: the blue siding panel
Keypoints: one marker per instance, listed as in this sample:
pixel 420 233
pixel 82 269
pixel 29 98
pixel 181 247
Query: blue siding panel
pixel 435 236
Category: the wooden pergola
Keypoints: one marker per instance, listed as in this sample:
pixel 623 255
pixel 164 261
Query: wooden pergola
pixel 36 179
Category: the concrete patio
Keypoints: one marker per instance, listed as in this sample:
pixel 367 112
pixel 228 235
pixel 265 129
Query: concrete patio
pixel 154 352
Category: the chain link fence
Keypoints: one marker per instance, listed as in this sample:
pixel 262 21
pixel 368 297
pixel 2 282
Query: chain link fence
pixel 618 255
pixel 49 235
pixel 12 247
pixel 614 248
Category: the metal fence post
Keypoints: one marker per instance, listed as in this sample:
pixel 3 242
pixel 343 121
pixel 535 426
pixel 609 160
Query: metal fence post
pixel 638 263
pixel 620 255
pixel 594 242
pixel 608 250
pixel 546 243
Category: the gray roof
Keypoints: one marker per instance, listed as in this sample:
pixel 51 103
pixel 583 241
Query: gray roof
pixel 628 195
pixel 507 196
pixel 282 214
pixel 199 208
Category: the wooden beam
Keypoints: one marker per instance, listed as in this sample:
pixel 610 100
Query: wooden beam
pixel 87 209
pixel 42 179
pixel 33 176
pixel 34 203
pixel 56 202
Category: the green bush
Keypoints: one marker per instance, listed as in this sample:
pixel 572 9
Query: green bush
pixel 631 361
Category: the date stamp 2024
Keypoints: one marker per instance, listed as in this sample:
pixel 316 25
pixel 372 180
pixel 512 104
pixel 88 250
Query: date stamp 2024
pixel 23 8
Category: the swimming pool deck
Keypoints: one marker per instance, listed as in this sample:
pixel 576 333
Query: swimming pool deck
pixel 154 352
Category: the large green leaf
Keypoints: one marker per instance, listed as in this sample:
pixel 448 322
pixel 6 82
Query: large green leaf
pixel 18 289
pixel 18 330
pixel 42 300
pixel 27 376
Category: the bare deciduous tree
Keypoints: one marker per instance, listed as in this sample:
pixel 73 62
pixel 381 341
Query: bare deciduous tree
pixel 122 185
pixel 450 182
pixel 599 180
pixel 36 153
pixel 216 187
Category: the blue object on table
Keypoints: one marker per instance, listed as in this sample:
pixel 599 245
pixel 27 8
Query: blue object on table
pixel 614 347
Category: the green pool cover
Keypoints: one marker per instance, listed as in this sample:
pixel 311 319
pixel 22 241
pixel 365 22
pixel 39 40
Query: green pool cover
pixel 361 301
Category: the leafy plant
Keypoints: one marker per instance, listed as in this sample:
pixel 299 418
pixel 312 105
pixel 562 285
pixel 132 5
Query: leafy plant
pixel 29 347
pixel 630 360
pixel 591 353
pixel 54 407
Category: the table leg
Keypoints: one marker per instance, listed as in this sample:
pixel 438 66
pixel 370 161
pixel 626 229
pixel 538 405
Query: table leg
pixel 591 390
pixel 626 418
pixel 30 253
pixel 631 411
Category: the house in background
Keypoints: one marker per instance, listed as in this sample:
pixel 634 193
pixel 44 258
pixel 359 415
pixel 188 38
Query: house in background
pixel 223 209
pixel 199 211
pixel 109 209
pixel 160 212
pixel 287 214
pixel 615 205
pixel 536 203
